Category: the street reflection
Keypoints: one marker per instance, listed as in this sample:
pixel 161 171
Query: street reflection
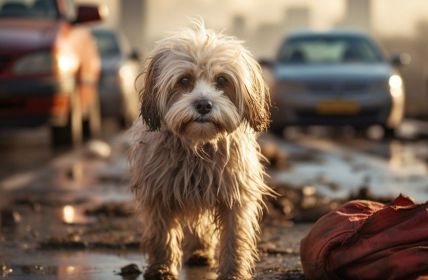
pixel 395 154
pixel 69 214
pixel 408 157
pixel 70 269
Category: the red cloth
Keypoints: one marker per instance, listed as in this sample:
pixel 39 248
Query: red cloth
pixel 369 240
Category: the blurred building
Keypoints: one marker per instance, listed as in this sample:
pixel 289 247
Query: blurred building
pixel 268 36
pixel 297 18
pixel 358 14
pixel 131 21
pixel 239 27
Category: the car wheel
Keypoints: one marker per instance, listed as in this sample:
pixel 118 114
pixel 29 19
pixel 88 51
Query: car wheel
pixel 126 120
pixel 388 132
pixel 122 121
pixel 128 115
pixel 277 131
pixel 92 123
pixel 71 133
pixel 361 131
pixel 123 118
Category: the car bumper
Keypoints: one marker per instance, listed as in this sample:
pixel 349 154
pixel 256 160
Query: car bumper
pixel 32 102
pixel 309 109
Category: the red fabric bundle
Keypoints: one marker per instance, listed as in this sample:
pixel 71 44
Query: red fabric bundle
pixel 369 240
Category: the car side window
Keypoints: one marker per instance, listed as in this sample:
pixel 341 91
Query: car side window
pixel 28 9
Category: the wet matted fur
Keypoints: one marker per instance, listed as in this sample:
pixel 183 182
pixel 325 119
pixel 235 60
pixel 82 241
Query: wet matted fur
pixel 196 173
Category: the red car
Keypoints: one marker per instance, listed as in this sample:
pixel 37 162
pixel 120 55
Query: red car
pixel 49 68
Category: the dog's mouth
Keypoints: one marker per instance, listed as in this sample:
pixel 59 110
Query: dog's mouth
pixel 202 120
pixel 198 120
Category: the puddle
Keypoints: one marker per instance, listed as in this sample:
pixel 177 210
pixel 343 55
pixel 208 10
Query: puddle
pixel 343 171
pixel 69 265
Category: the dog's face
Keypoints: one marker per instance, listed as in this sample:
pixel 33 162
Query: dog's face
pixel 201 86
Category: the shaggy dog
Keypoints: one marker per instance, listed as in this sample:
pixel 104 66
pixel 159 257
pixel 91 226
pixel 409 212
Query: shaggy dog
pixel 195 162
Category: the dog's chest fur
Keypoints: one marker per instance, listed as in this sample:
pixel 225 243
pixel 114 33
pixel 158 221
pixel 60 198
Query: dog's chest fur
pixel 168 171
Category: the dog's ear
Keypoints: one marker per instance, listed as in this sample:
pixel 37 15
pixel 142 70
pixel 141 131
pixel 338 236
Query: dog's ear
pixel 149 94
pixel 257 98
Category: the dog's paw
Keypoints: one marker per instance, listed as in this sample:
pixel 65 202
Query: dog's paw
pixel 159 273
pixel 199 259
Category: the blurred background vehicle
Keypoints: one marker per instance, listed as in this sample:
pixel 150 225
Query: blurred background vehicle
pixel 336 78
pixel 49 68
pixel 120 65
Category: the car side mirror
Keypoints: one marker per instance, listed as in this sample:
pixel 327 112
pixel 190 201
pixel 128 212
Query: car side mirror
pixel 266 63
pixel 134 55
pixel 88 13
pixel 401 59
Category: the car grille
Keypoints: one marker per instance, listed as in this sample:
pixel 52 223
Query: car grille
pixel 4 61
pixel 354 87
pixel 364 117
pixel 321 87
pixel 346 87
pixel 7 104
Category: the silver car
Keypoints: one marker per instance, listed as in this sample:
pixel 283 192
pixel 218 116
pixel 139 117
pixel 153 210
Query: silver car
pixel 120 67
pixel 335 78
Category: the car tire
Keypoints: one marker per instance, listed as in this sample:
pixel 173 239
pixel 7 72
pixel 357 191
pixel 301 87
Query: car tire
pixel 92 123
pixel 361 131
pixel 277 131
pixel 388 132
pixel 71 133
pixel 122 122
pixel 126 119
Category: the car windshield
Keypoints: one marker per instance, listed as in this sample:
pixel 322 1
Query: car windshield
pixel 107 43
pixel 328 50
pixel 28 9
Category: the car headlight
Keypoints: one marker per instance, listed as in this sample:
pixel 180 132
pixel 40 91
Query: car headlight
pixel 126 72
pixel 66 63
pixel 395 82
pixel 35 63
pixel 395 85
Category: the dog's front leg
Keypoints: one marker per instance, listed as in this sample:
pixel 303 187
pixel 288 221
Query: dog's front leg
pixel 162 238
pixel 238 248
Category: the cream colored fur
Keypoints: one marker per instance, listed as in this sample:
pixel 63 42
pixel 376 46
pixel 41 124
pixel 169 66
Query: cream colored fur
pixel 198 180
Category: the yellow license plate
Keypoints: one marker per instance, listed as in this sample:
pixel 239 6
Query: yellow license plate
pixel 338 107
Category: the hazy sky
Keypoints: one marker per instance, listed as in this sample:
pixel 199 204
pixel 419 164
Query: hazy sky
pixel 399 16
pixel 167 14
pixel 388 16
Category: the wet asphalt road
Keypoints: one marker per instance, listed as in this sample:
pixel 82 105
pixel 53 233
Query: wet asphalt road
pixel 68 214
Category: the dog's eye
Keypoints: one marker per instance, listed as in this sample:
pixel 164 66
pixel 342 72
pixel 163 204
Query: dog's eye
pixel 185 81
pixel 221 81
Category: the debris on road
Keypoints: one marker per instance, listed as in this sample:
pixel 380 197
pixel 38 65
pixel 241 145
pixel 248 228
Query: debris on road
pixel 300 204
pixel 111 209
pixel 277 157
pixel 9 218
pixel 130 271
pixel 98 149
pixel 5 271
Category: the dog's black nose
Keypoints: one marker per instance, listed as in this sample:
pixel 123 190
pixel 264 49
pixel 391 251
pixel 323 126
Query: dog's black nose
pixel 203 106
